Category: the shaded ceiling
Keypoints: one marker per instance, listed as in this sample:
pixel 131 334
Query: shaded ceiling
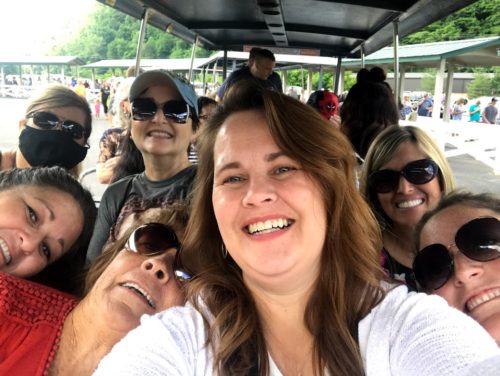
pixel 323 27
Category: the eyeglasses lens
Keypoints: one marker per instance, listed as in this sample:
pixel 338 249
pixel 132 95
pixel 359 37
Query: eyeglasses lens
pixel 153 238
pixel 47 120
pixel 479 239
pixel 146 108
pixel 416 172
pixel 432 267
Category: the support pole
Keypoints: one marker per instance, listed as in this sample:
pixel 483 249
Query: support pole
pixel 338 73
pixel 438 90
pixel 193 53
pixel 320 78
pixel 448 89
pixel 224 65
pixel 362 56
pixel 140 42
pixel 395 38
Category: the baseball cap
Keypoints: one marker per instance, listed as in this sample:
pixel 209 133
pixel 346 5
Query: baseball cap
pixel 493 99
pixel 160 76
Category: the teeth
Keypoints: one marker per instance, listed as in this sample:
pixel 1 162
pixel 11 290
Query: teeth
pixel 409 203
pixel 141 291
pixel 159 134
pixel 476 301
pixel 269 225
pixel 5 252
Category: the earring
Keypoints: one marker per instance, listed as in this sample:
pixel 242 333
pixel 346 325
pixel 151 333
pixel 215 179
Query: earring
pixel 224 250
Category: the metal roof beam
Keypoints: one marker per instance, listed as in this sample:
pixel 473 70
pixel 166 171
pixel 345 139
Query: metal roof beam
pixel 395 6
pixel 312 29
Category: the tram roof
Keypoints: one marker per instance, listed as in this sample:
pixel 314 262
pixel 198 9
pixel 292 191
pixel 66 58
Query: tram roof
pixel 41 60
pixel 466 52
pixel 313 27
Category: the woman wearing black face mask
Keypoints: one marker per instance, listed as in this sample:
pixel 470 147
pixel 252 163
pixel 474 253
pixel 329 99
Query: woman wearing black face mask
pixel 54 132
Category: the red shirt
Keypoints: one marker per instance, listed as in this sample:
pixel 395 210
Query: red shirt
pixel 31 320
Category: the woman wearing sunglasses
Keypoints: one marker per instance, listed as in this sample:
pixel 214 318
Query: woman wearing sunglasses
pixel 404 175
pixel 458 256
pixel 54 132
pixel 46 221
pixel 43 331
pixel 164 117
pixel 286 257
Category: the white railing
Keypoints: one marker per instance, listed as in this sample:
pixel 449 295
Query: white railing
pixel 480 141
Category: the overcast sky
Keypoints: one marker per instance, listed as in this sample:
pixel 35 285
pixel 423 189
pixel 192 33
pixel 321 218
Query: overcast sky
pixel 29 27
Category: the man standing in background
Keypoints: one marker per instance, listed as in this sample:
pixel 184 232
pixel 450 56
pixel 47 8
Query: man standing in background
pixel 261 63
pixel 490 112
pixel 425 106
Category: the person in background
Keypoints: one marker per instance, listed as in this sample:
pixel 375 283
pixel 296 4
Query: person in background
pixel 404 175
pixel 261 63
pixel 368 109
pixel 206 107
pixel 80 89
pixel 54 132
pixel 46 222
pixel 164 118
pixel 475 112
pixel 97 108
pixel 458 255
pixel 43 331
pixel 105 92
pixel 327 103
pixel 109 144
pixel 285 254
pixel 425 106
pixel 458 109
pixel 490 112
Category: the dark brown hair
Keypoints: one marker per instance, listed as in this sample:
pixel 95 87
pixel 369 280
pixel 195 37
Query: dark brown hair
pixel 347 287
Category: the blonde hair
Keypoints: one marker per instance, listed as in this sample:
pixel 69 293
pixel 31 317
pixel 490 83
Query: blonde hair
pixel 347 287
pixel 382 151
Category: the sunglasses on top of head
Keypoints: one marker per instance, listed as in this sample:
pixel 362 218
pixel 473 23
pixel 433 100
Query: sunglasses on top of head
pixel 416 172
pixel 146 108
pixel 478 239
pixel 154 239
pixel 47 120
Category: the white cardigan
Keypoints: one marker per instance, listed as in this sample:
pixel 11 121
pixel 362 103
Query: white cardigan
pixel 406 334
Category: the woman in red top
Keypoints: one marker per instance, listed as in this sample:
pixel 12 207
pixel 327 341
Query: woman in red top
pixel 46 332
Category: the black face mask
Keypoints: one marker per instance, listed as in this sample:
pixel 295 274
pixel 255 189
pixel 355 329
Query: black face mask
pixel 46 148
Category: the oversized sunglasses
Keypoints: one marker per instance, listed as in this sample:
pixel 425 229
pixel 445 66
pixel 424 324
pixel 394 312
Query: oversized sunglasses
pixel 153 239
pixel 416 172
pixel 146 109
pixel 478 239
pixel 47 120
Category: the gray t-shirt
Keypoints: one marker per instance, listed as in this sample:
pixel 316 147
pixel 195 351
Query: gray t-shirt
pixel 491 112
pixel 177 187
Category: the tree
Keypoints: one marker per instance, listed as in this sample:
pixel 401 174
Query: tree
pixel 478 19
pixel 479 86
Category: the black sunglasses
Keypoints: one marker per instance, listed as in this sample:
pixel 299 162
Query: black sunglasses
pixel 416 172
pixel 47 120
pixel 146 108
pixel 153 239
pixel 478 239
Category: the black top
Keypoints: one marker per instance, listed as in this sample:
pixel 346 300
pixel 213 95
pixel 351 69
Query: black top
pixel 398 271
pixel 273 82
pixel 177 187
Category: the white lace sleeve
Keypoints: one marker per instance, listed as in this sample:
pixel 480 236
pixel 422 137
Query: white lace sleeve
pixel 418 335
pixel 169 343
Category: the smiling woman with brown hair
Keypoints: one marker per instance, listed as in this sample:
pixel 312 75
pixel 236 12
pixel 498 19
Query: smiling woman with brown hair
pixel 286 257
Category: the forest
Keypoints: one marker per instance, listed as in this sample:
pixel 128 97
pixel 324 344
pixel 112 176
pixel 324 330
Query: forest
pixel 110 34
